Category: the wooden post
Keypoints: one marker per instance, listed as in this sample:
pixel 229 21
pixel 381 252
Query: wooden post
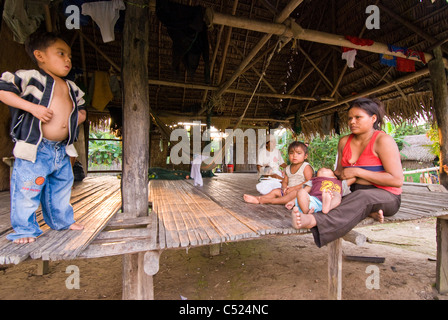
pixel 135 110
pixel 135 48
pixel 442 255
pixel 335 269
pixel 440 98
pixel 137 285
pixel 43 267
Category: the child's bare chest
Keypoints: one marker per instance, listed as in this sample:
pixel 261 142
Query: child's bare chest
pixel 61 100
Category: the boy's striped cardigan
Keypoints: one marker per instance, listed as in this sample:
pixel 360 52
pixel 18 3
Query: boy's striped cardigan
pixel 37 87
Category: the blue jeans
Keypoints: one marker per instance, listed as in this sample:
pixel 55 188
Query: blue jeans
pixel 48 182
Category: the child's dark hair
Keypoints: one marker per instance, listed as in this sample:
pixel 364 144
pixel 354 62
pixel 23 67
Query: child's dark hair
pixel 372 107
pixel 39 41
pixel 298 144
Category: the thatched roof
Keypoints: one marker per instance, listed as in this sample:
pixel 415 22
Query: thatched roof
pixel 416 148
pixel 312 91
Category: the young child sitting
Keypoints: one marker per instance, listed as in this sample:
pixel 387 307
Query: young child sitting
pixel 297 173
pixel 46 111
pixel 321 193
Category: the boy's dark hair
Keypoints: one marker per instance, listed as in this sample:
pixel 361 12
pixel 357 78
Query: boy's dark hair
pixel 40 41
pixel 298 144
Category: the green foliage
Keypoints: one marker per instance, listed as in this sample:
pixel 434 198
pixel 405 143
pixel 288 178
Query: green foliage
pixel 322 152
pixel 104 152
pixel 433 135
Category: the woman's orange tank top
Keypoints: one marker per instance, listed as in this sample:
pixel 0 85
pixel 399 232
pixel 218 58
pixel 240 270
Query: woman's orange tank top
pixel 367 160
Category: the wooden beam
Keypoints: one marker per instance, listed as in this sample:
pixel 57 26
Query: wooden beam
pixel 105 56
pixel 280 29
pixel 237 91
pixel 408 77
pixel 410 25
pixel 281 18
pixel 440 100
pixel 226 45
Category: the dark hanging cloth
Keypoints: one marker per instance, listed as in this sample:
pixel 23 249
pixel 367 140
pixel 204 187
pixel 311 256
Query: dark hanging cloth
pixel 187 29
pixel 2 5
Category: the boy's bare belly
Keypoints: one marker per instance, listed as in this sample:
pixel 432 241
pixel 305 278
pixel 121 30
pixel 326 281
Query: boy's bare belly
pixel 57 128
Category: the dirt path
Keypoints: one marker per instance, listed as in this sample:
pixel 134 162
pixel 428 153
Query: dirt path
pixel 275 268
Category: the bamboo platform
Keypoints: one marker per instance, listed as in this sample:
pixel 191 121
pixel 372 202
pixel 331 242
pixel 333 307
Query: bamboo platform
pixel 182 216
pixel 94 200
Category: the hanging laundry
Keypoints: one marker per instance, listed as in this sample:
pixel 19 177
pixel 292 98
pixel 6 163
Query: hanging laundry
pixel 326 124
pixel 83 19
pixel 195 172
pixel 388 60
pixel 188 31
pixel 349 54
pixel 105 14
pixel 359 41
pixel 393 48
pixel 22 18
pixel 102 94
pixel 405 65
pixel 416 54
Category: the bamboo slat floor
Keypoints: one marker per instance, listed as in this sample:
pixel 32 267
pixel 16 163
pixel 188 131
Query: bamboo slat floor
pixel 94 201
pixel 182 216
pixel 185 216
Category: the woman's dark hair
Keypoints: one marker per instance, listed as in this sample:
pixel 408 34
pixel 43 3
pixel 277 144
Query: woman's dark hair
pixel 372 107
pixel 298 144
pixel 39 41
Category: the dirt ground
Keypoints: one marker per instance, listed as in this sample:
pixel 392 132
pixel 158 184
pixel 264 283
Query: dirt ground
pixel 272 268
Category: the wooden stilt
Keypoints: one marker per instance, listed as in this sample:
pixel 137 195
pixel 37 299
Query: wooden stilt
pixel 335 270
pixel 137 285
pixel 43 266
pixel 215 249
pixel 442 255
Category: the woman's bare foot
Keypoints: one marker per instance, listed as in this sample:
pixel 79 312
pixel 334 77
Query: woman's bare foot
pixel 25 240
pixel 290 204
pixel 302 221
pixel 378 216
pixel 76 226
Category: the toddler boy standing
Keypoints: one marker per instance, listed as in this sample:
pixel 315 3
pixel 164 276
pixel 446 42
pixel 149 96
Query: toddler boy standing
pixel 46 111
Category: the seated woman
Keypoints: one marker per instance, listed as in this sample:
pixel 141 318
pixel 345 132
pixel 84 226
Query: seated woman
pixel 372 158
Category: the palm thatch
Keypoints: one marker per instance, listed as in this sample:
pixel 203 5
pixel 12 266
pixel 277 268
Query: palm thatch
pixel 416 153
pixel 417 148
pixel 303 78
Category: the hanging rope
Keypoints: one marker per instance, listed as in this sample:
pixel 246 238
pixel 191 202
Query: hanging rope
pixel 263 73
